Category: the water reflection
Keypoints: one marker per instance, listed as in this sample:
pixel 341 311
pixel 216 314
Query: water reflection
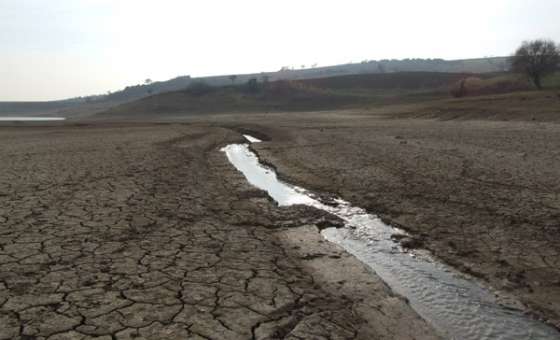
pixel 31 119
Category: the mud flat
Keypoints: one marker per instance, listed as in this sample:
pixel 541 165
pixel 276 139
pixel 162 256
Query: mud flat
pixel 145 231
pixel 457 305
pixel 121 230
pixel 480 195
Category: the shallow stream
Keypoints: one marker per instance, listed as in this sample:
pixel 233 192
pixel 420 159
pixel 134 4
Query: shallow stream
pixel 457 306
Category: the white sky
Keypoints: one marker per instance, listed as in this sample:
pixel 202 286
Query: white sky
pixel 53 49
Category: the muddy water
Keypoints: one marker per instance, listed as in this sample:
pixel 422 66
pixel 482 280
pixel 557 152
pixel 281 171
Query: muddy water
pixel 458 307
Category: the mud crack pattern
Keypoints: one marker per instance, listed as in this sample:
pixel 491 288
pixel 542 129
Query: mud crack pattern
pixel 146 232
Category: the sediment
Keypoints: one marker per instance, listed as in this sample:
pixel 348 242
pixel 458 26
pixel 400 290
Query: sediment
pixel 479 195
pixel 145 231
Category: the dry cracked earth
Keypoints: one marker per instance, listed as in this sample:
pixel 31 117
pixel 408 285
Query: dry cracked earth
pixel 482 196
pixel 146 232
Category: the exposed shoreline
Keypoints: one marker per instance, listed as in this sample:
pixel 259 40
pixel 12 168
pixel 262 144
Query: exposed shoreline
pixel 427 162
pixel 458 306
pixel 146 230
pixel 481 195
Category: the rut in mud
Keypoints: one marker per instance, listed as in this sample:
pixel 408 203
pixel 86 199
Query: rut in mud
pixel 457 306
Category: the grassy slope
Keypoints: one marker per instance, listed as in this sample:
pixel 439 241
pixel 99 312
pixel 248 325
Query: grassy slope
pixel 419 94
pixel 314 94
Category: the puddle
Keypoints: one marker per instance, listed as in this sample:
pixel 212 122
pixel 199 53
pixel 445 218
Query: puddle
pixel 31 119
pixel 252 139
pixel 458 307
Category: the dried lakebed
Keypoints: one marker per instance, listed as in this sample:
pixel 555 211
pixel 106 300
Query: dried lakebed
pixel 457 306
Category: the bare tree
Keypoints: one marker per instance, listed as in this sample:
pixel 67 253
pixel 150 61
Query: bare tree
pixel 537 59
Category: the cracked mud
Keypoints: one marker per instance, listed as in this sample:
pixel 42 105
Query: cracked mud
pixel 480 195
pixel 147 232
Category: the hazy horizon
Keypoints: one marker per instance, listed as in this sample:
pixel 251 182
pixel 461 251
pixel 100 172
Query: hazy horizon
pixel 66 48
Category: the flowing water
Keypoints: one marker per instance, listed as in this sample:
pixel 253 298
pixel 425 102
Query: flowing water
pixel 457 306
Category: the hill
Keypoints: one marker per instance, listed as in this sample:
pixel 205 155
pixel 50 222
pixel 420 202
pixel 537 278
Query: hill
pixel 294 95
pixel 481 65
pixel 96 103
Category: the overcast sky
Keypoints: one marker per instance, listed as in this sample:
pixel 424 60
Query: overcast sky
pixel 53 49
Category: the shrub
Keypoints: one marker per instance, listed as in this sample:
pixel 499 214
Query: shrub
pixel 252 86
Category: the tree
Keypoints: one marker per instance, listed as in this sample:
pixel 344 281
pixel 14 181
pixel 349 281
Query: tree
pixel 536 59
pixel 252 85
pixel 232 78
pixel 149 82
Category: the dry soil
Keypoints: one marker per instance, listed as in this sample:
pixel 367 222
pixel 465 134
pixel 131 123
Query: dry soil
pixel 135 231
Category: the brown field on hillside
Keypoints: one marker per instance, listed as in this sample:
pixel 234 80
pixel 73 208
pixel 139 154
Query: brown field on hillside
pixel 427 94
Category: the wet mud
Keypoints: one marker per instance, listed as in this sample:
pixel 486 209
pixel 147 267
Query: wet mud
pixel 458 306
pixel 481 196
